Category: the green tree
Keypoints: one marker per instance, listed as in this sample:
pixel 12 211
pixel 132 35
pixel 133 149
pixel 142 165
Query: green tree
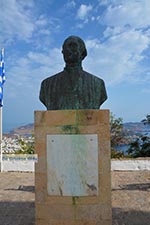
pixel 140 147
pixel 116 130
pixel 146 120
pixel 116 133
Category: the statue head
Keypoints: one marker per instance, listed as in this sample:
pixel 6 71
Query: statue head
pixel 74 50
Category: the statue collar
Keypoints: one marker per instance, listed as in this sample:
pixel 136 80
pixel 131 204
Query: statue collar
pixel 73 69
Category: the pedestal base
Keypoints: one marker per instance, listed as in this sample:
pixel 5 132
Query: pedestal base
pixel 72 176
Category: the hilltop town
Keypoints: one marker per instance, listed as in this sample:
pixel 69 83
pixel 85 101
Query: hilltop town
pixel 12 141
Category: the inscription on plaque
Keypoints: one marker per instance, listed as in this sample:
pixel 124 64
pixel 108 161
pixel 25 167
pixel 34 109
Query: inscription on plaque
pixel 72 164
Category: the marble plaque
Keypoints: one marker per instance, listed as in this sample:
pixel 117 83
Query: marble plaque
pixel 72 164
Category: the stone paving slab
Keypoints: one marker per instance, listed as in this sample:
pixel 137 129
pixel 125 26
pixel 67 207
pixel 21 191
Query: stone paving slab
pixel 130 198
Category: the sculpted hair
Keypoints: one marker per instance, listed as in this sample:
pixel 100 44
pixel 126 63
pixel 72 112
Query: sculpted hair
pixel 80 42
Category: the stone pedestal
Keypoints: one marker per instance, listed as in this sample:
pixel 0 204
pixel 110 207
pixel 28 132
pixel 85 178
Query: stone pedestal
pixel 72 176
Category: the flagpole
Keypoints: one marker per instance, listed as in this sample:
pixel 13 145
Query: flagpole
pixel 1 139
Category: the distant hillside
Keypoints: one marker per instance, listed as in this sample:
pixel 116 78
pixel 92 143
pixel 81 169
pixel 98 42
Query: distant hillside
pixel 25 130
pixel 137 129
pixel 131 128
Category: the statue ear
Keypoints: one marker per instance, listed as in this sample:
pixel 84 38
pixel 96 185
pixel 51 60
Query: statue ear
pixel 84 54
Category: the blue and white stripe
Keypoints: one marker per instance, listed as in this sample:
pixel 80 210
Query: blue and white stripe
pixel 2 76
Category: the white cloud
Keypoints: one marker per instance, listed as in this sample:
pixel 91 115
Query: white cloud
pixel 41 21
pixel 106 2
pixel 70 4
pixel 28 4
pixel 118 59
pixel 19 20
pixel 125 40
pixel 16 21
pixel 135 13
pixel 83 11
pixel 109 31
pixel 29 70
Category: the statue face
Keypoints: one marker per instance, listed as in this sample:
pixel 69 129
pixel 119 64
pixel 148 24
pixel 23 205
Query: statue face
pixel 72 53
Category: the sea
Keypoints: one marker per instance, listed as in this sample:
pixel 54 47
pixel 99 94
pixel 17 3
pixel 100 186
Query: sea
pixel 122 148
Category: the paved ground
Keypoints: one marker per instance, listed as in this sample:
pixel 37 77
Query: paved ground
pixel 17 199
pixel 130 198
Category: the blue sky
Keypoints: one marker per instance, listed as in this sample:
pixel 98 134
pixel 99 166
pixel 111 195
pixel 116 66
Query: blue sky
pixel 117 37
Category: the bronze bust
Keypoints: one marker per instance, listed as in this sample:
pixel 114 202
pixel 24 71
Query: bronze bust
pixel 73 88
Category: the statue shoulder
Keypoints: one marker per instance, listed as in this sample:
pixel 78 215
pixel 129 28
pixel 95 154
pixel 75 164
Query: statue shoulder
pixel 99 86
pixel 52 78
pixel 93 77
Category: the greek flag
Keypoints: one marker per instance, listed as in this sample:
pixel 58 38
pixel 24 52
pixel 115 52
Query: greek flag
pixel 2 76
